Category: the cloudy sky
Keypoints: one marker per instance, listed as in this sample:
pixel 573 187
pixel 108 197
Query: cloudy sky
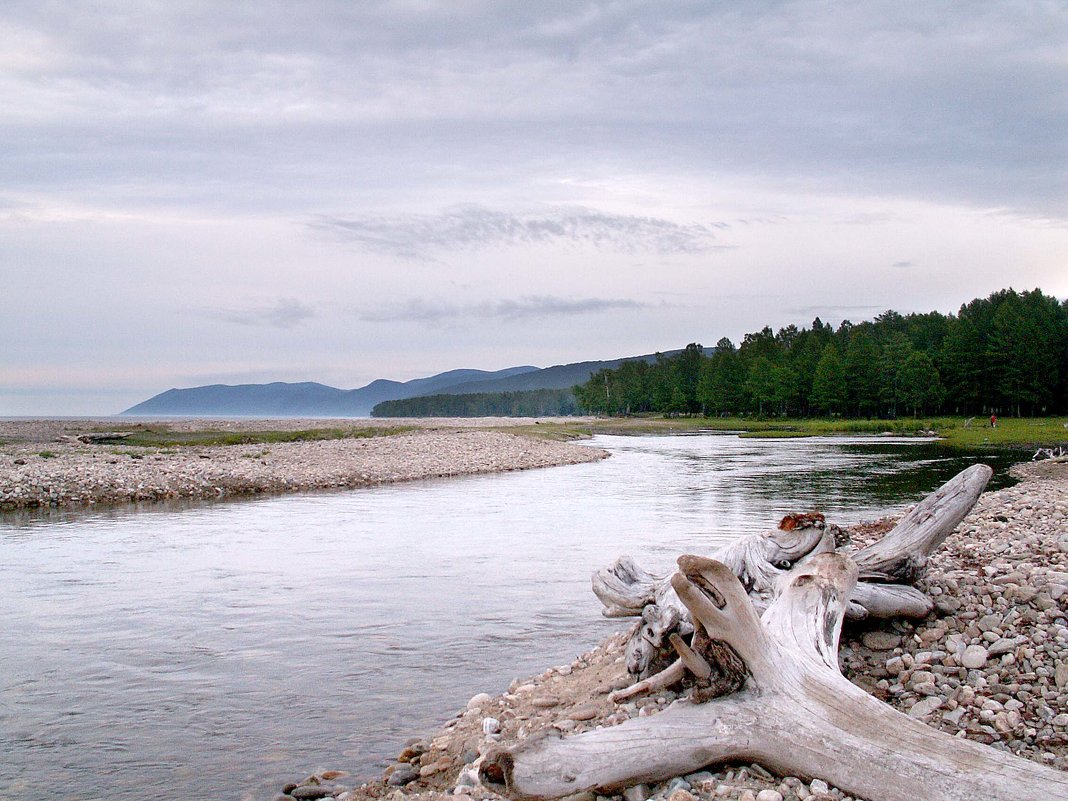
pixel 194 193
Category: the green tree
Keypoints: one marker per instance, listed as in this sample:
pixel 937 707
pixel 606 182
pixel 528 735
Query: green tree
pixel 862 373
pixel 721 388
pixel 963 364
pixel 760 384
pixel 1022 351
pixel 920 385
pixel 786 390
pixel 830 392
pixel 895 352
pixel 687 376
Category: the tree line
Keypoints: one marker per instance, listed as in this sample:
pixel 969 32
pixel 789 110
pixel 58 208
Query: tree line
pixel 527 403
pixel 1005 354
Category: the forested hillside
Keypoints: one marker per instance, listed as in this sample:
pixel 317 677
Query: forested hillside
pixel 531 403
pixel 1005 354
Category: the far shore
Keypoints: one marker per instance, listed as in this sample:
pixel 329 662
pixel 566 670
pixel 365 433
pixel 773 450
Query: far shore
pixel 65 463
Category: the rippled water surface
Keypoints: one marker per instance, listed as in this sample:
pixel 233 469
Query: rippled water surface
pixel 222 650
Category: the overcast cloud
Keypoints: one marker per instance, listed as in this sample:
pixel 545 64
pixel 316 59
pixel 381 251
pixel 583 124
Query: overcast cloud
pixel 281 313
pixel 204 189
pixel 421 236
pixel 422 310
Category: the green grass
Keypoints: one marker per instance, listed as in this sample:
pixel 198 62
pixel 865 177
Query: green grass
pixel 48 454
pixel 556 432
pixel 773 434
pixel 164 437
pixel 1014 433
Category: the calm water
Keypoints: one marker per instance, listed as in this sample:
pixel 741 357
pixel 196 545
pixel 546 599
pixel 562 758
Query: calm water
pixel 221 650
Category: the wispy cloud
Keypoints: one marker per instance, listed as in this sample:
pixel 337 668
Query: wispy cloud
pixel 281 313
pixel 835 310
pixel 421 236
pixel 509 309
pixel 903 264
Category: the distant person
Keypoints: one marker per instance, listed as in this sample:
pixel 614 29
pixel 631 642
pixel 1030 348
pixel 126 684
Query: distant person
pixel 993 421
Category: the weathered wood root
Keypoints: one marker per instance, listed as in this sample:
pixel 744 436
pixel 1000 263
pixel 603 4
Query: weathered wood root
pixel 795 714
pixel 760 561
pixel 902 554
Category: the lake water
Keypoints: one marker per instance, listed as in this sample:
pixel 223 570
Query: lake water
pixel 220 650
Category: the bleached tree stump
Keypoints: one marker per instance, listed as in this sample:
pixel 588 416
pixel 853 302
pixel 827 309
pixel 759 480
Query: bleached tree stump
pixel 759 561
pixel 794 711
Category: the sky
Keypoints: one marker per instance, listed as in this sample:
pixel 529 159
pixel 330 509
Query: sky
pixel 237 192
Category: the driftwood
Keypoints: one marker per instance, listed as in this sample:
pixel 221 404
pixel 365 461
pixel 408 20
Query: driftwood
pixel 754 635
pixel 794 712
pixel 759 562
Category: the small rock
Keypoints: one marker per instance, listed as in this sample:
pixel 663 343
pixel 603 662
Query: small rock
pixel 880 640
pixel 974 657
pixel 1060 675
pixel 819 786
pixel 922 709
pixel 490 726
pixel 954 716
pixel 479 701
pixel 402 776
pixel 639 792
pixel 585 712
pixel 1003 645
pixel 769 795
pixel 309 792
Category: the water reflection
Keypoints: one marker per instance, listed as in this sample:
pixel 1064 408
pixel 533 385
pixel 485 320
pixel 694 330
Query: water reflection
pixel 235 646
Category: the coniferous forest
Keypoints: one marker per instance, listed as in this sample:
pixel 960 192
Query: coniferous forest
pixel 1006 354
pixel 526 403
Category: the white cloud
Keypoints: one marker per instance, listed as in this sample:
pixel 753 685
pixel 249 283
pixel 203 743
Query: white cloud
pixel 472 227
pixel 280 313
pixel 510 309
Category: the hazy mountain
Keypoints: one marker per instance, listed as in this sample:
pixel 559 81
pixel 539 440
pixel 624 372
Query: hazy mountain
pixel 560 376
pixel 274 399
pixel 306 399
pixel 318 400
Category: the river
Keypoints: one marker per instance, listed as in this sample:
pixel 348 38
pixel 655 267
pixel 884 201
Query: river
pixel 223 649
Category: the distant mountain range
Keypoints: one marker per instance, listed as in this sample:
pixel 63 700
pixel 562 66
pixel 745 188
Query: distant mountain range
pixel 310 399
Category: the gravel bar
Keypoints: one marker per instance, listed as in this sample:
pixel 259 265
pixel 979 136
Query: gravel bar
pixel 42 464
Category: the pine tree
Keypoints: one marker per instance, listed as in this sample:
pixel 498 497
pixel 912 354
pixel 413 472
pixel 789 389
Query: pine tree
pixel 830 392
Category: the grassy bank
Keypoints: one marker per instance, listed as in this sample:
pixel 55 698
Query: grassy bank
pixel 162 436
pixel 1018 433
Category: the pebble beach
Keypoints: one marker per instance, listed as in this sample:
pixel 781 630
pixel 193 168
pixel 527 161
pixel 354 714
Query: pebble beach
pixel 44 464
pixel 989 664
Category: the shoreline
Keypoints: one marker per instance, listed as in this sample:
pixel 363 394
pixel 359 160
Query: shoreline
pixel 1000 583
pixel 44 465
